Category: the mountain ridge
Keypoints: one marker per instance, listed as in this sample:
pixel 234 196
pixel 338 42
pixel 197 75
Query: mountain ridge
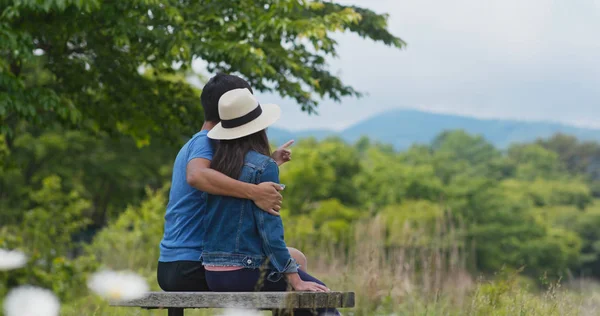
pixel 404 127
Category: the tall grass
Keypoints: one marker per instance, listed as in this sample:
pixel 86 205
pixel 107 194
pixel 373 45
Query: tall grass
pixel 400 269
pixel 425 272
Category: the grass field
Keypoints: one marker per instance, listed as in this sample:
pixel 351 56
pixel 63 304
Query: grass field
pixel 412 281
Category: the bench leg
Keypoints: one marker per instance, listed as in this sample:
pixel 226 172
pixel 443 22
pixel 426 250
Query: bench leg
pixel 175 311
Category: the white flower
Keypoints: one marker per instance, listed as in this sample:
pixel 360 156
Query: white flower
pixel 11 259
pixel 118 285
pixel 239 312
pixel 31 301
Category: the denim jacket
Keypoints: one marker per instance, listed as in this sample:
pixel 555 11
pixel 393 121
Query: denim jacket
pixel 239 234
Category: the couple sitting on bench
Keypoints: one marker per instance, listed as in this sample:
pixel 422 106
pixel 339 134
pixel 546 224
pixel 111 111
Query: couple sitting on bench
pixel 222 234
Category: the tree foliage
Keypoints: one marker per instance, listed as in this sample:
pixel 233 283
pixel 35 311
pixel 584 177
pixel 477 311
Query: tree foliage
pixel 78 63
pixel 577 157
pixel 109 172
pixel 45 234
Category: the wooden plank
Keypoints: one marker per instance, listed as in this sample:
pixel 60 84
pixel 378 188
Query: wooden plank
pixel 249 300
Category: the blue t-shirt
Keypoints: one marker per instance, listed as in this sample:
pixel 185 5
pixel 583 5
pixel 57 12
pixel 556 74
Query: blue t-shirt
pixel 183 236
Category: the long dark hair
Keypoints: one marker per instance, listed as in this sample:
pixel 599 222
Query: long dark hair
pixel 229 154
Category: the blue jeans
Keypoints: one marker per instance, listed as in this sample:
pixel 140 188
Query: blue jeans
pixel 254 280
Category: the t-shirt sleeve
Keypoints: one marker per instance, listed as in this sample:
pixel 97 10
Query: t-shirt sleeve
pixel 201 147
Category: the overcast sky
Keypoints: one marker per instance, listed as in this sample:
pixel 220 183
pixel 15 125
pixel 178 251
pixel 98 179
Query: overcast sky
pixel 525 59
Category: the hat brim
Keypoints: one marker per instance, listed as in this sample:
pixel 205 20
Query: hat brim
pixel 270 114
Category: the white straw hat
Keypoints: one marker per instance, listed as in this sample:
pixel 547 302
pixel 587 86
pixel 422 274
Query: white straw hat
pixel 242 115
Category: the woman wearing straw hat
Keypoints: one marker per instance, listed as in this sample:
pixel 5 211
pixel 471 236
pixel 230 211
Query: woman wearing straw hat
pixel 244 249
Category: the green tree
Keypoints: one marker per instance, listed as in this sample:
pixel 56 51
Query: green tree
pixel 457 152
pixel 44 234
pixel 308 178
pixel 586 225
pixel 345 161
pixel 334 221
pixel 385 180
pixel 109 172
pixel 544 193
pixel 90 53
pixel 578 157
pixel 534 161
pixel 321 170
pixel 463 146
pixel 503 224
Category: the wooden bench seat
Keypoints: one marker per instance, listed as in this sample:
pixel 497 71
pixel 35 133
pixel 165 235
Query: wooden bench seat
pixel 278 302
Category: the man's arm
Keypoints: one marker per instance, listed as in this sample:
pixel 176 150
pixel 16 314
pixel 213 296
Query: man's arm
pixel 265 195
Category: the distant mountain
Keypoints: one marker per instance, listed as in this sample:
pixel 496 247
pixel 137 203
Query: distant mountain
pixel 402 128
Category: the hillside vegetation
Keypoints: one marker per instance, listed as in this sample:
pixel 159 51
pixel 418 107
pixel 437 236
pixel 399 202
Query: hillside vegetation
pixel 451 226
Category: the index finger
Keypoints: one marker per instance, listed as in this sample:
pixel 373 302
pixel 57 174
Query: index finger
pixel 287 144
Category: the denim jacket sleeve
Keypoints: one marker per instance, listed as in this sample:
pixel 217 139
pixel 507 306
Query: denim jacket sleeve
pixel 271 231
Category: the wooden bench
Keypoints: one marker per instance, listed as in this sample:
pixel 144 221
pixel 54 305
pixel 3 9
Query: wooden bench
pixel 280 303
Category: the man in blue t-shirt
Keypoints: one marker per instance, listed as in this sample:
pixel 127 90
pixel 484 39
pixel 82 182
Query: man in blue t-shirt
pixel 179 266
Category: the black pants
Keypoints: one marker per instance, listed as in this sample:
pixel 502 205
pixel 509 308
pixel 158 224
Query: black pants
pixel 181 276
pixel 249 280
